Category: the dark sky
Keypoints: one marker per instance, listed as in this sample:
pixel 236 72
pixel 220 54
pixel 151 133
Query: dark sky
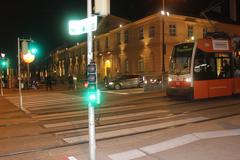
pixel 46 21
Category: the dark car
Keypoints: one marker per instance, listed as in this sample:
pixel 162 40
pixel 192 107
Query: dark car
pixel 125 81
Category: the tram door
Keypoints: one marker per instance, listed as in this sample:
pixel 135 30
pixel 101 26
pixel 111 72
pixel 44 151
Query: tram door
pixel 212 75
pixel 223 85
pixel 236 73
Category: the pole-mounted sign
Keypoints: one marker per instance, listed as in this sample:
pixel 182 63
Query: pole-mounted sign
pixel 78 27
pixel 102 7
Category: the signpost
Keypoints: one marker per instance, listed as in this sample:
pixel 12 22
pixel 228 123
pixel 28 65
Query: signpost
pixel 88 25
pixel 78 27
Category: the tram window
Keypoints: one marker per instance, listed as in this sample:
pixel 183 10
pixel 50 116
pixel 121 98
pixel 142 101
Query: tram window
pixel 236 65
pixel 204 66
pixel 223 65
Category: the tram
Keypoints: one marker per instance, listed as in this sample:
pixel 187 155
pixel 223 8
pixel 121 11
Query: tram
pixel 208 67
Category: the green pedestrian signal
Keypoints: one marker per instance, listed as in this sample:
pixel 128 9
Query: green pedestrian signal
pixel 93 93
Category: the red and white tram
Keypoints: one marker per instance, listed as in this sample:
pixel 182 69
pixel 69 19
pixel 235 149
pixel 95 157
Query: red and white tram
pixel 206 68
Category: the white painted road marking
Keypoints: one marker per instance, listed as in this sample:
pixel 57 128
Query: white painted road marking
pixel 175 142
pixel 217 134
pixel 132 154
pixel 169 144
pixel 72 158
pixel 123 93
pixel 61 124
pixel 129 131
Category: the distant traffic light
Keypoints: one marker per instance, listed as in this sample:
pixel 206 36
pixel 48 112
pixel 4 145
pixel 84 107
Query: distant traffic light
pixel 34 49
pixel 3 62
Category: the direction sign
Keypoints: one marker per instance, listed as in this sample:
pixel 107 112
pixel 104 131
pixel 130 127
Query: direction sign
pixel 77 27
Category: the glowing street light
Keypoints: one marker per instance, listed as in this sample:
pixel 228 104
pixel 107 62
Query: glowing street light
pixel 29 57
pixel 3 55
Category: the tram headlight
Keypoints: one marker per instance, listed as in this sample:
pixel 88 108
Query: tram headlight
pixel 170 79
pixel 188 79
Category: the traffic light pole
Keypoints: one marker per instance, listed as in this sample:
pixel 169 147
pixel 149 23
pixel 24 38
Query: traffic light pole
pixel 91 114
pixel 1 82
pixel 19 76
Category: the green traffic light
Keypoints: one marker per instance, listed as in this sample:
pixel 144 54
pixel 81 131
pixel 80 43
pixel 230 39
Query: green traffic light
pixel 4 64
pixel 92 97
pixel 34 50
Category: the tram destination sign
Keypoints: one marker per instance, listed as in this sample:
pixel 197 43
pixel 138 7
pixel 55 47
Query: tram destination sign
pixel 220 45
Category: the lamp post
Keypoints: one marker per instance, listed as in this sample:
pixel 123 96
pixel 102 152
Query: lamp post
pixel 163 13
pixel 28 58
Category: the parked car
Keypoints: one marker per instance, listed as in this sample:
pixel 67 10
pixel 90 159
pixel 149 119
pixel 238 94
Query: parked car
pixel 125 81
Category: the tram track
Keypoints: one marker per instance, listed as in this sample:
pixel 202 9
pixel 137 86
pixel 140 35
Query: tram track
pixel 75 144
pixel 168 116
pixel 183 113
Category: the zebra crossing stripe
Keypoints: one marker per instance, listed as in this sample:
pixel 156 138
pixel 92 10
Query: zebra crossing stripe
pixel 173 143
pixel 113 125
pixel 103 118
pixel 131 154
pixel 129 131
pixel 72 158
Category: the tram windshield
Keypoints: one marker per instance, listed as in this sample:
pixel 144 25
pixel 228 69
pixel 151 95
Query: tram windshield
pixel 181 59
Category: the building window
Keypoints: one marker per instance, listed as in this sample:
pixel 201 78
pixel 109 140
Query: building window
pixel 172 30
pixel 126 34
pixel 152 31
pixel 126 66
pixel 118 36
pixel 190 31
pixel 106 43
pixel 205 30
pixel 140 33
pixel 97 45
pixel 140 66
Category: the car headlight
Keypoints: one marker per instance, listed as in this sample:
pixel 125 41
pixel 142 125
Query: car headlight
pixel 110 83
pixel 188 79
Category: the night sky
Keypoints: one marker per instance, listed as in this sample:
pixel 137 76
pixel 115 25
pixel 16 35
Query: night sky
pixel 46 21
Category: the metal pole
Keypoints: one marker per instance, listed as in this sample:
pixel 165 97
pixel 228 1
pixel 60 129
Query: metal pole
pixel 163 47
pixel 19 76
pixel 163 3
pixel 1 83
pixel 28 76
pixel 91 115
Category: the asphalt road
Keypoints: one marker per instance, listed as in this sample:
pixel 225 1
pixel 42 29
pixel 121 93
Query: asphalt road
pixel 130 124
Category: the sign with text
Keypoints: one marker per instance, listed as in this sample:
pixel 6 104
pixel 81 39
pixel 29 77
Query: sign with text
pixel 78 27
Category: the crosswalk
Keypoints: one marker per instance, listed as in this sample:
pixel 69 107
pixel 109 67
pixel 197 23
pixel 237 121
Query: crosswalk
pixel 66 116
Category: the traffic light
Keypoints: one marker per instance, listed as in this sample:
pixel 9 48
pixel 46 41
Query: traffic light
pixel 33 48
pixel 93 93
pixel 4 63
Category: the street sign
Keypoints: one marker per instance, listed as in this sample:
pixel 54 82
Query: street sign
pixel 102 7
pixel 78 27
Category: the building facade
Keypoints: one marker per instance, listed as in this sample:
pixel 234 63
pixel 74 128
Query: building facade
pixel 135 47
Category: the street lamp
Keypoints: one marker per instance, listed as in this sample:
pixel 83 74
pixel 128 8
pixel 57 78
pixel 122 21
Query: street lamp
pixel 163 13
pixel 28 58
